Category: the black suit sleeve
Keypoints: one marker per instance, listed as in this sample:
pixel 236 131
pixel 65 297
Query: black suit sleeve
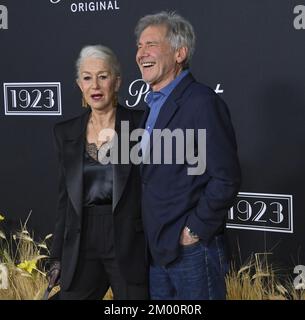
pixel 222 167
pixel 58 235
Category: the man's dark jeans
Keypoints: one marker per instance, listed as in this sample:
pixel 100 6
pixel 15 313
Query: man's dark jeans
pixel 198 274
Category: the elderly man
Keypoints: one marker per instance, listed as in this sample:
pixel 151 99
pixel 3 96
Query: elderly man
pixel 184 215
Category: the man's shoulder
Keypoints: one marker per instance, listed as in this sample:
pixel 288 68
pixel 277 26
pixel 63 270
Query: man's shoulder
pixel 198 96
pixel 200 89
pixel 194 89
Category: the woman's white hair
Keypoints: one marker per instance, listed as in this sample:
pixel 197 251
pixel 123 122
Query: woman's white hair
pixel 100 52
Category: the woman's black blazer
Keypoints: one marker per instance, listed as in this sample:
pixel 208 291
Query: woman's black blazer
pixel 129 239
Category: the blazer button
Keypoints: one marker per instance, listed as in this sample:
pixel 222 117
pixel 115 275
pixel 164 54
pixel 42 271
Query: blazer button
pixel 78 230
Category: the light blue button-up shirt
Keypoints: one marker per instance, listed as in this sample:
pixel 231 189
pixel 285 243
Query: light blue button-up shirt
pixel 155 101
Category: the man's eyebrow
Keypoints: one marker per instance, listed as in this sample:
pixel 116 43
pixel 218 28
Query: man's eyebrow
pixel 148 42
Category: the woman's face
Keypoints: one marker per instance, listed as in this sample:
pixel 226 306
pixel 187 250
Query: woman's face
pixel 98 83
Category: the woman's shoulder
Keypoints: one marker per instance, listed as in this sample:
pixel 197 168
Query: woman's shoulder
pixel 71 125
pixel 131 111
pixel 131 114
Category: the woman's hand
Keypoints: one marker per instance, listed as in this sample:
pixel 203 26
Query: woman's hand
pixel 54 274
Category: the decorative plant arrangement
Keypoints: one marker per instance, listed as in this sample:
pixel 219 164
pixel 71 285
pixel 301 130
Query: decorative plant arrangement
pixel 21 259
pixel 23 274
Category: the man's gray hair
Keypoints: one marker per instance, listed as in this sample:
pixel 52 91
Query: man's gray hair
pixel 180 32
pixel 100 52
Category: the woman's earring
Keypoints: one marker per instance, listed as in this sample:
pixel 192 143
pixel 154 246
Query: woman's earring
pixel 84 103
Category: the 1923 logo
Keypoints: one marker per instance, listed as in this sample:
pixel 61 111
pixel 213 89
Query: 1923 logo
pixel 42 98
pixel 299 280
pixel 260 211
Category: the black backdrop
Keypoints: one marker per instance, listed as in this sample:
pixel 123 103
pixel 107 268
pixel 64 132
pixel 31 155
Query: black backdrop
pixel 251 51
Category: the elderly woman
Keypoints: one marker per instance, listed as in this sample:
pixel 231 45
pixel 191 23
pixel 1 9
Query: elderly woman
pixel 98 240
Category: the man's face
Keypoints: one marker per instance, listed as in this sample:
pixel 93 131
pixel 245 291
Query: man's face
pixel 156 58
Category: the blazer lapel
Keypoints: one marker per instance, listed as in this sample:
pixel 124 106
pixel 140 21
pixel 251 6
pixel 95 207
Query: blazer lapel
pixel 73 162
pixel 144 118
pixel 121 171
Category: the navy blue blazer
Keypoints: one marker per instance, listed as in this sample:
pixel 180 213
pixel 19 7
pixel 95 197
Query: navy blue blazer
pixel 172 199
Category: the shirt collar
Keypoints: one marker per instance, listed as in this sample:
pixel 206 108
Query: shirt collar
pixel 153 96
pixel 167 90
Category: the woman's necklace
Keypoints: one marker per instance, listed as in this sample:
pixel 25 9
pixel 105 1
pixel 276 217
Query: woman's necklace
pixel 103 141
pixel 96 135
